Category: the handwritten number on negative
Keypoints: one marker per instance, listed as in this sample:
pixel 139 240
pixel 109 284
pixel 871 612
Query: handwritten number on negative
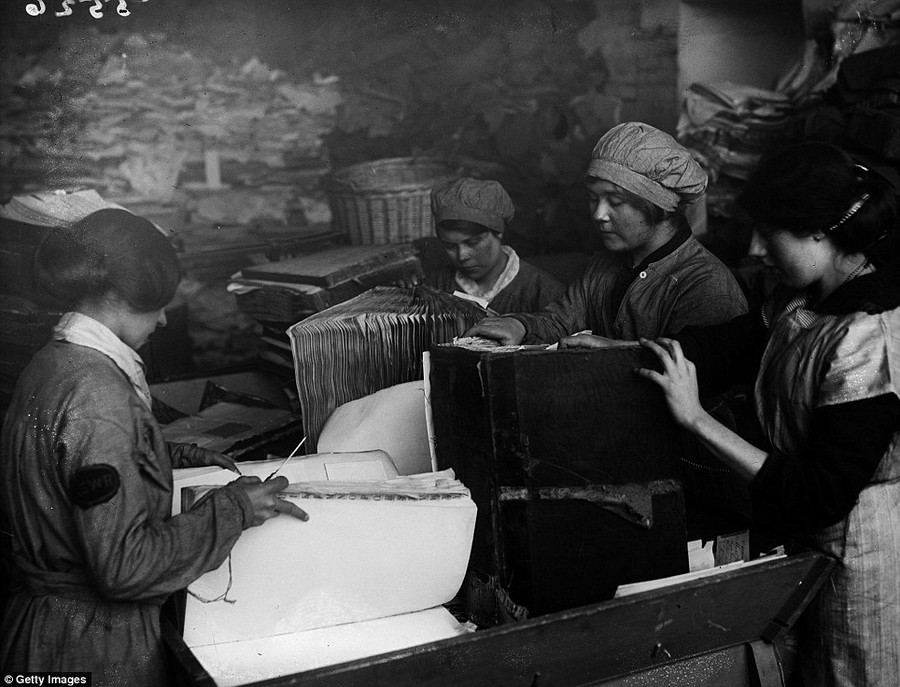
pixel 35 9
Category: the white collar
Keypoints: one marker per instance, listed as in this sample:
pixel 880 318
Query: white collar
pixel 506 276
pixel 82 330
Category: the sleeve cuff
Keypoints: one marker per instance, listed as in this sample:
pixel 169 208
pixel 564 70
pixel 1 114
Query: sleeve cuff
pixel 244 504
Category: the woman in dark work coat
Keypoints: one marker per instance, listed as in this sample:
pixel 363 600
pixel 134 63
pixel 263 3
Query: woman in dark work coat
pixel 86 476
pixel 824 352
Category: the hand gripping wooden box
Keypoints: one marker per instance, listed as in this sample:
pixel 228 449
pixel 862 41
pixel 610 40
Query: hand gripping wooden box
pixel 574 463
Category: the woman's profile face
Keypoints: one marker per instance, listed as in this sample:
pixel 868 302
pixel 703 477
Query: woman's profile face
pixel 623 227
pixel 475 255
pixel 796 261
pixel 136 327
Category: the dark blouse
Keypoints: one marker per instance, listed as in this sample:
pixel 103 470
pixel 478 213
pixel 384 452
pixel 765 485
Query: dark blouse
pixel 847 441
pixel 529 291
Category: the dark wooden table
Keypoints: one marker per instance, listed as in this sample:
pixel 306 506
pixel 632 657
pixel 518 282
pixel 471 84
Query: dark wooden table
pixel 714 631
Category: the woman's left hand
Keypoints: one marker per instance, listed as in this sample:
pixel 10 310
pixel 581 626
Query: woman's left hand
pixel 678 380
pixel 220 459
pixel 191 455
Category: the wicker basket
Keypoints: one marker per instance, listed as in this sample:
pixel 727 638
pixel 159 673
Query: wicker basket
pixel 385 201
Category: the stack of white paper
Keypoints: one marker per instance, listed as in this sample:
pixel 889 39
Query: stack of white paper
pixel 367 573
pixel 239 663
pixel 357 466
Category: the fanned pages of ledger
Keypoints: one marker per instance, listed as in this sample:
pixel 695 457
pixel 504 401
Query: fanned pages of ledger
pixel 366 574
pixel 369 343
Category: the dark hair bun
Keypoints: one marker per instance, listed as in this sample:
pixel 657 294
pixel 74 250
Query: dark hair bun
pixel 814 187
pixel 109 250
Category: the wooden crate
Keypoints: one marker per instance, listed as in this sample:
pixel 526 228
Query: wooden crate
pixel 574 463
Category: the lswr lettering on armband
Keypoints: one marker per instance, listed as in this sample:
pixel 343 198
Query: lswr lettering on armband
pixel 93 485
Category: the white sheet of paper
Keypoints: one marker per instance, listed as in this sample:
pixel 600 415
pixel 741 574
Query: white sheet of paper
pixel 239 663
pixel 392 419
pixel 357 558
pixel 648 585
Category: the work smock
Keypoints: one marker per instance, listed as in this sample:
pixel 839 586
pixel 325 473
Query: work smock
pixel 815 361
pixel 685 286
pixel 827 396
pixel 86 493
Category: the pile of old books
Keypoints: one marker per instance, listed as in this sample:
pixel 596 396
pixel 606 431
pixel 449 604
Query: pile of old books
pixel 151 122
pixel 281 293
pixel 730 125
pixel 369 343
pixel 227 154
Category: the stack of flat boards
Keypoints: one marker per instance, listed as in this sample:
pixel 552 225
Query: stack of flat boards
pixel 369 343
pixel 233 428
pixel 289 290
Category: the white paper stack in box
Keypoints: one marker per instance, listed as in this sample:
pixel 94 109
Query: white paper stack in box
pixel 369 343
pixel 367 573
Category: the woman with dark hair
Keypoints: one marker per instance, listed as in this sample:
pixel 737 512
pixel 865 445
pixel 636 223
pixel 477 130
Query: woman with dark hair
pixel 655 277
pixel 86 475
pixel 825 350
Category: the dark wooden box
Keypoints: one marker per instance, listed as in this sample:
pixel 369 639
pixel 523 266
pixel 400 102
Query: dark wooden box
pixel 574 463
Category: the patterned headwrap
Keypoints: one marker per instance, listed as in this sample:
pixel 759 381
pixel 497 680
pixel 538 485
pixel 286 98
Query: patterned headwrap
pixel 473 200
pixel 649 163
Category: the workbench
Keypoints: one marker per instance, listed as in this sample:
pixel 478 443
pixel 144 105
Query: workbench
pixel 721 630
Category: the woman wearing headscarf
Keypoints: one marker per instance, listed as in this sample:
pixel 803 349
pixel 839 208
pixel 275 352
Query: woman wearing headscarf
pixel 470 217
pixel 827 393
pixel 655 278
pixel 86 475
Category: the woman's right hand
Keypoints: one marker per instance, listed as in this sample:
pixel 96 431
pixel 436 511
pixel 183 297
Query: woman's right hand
pixel 263 496
pixel 507 330
pixel 678 381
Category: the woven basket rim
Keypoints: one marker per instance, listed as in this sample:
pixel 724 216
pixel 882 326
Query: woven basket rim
pixel 363 177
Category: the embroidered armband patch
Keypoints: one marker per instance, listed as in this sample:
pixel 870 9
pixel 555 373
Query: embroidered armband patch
pixel 94 485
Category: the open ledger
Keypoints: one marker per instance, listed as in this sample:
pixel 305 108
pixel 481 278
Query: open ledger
pixel 366 574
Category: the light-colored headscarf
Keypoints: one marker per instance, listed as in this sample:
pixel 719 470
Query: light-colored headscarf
pixel 473 200
pixel 649 163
